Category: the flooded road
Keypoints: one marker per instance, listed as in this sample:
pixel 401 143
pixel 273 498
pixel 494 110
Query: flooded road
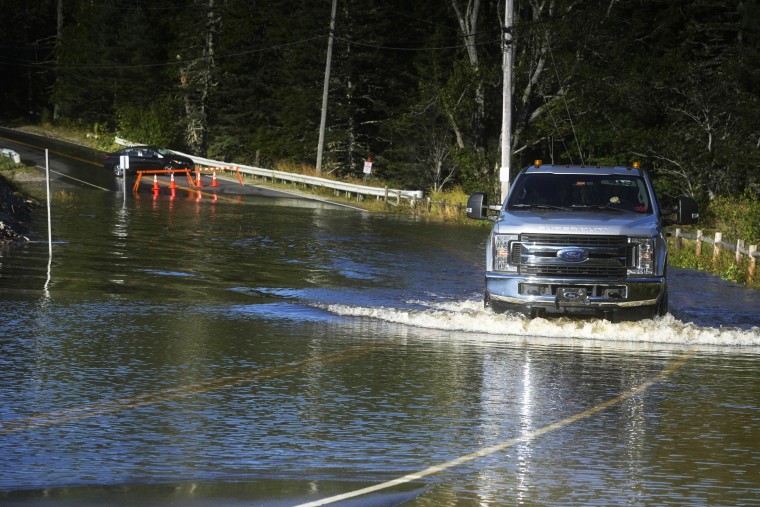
pixel 275 351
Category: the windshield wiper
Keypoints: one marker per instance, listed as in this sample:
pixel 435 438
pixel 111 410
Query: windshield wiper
pixel 540 206
pixel 600 207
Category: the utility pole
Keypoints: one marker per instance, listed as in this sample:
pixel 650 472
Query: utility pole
pixel 506 106
pixel 323 121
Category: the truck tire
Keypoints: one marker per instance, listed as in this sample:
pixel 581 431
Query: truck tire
pixel 496 307
pixel 661 308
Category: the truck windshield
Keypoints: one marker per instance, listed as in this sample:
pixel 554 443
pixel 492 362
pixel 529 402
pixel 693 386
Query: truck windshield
pixel 605 192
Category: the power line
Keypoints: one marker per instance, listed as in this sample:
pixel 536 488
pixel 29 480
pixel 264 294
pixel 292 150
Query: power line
pixel 233 54
pixel 420 49
pixel 168 63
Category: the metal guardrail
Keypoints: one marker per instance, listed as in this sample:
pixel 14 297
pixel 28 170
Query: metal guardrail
pixel 338 186
pixel 8 153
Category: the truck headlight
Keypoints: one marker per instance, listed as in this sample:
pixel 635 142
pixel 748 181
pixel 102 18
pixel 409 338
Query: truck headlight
pixel 642 256
pixel 501 245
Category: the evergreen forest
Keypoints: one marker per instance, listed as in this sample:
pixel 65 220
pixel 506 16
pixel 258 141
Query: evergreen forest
pixel 417 86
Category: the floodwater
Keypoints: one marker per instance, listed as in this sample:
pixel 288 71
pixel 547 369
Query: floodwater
pixel 268 351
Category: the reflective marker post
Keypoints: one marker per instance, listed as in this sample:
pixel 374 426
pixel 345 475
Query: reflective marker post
pixel 124 163
pixel 50 222
pixel 47 185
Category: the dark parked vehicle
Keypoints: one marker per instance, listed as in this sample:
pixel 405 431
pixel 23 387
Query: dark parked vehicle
pixel 143 158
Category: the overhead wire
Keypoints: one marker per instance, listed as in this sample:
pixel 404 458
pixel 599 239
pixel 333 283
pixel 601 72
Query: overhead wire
pixel 233 54
pixel 564 101
pixel 556 129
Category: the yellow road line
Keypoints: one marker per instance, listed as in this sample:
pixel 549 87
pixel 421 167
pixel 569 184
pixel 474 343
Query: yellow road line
pixel 51 151
pixel 75 179
pixel 128 403
pixel 486 451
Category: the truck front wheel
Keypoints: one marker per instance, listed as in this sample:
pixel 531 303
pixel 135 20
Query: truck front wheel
pixel 495 306
pixel 661 308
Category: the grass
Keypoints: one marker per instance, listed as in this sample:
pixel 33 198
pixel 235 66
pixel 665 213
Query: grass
pixel 91 137
pixel 446 205
pixel 724 265
pixel 29 182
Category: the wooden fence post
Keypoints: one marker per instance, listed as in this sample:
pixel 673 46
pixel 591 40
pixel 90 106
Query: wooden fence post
pixel 739 248
pixel 752 262
pixel 698 247
pixel 716 248
pixel 677 241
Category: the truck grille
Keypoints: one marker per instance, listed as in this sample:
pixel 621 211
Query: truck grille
pixel 566 240
pixel 536 255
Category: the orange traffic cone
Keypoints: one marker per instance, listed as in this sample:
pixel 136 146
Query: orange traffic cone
pixel 214 183
pixel 155 182
pixel 172 183
pixel 198 180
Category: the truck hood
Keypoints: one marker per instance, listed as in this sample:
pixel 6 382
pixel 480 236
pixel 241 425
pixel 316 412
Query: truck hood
pixel 577 222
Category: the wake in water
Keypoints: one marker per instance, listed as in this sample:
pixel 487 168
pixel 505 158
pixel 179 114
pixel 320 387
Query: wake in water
pixel 471 317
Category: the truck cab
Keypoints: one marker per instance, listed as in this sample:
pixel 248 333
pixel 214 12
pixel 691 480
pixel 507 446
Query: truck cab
pixel 579 240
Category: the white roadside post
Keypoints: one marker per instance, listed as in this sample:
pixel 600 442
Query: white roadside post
pixel 49 221
pixel 124 163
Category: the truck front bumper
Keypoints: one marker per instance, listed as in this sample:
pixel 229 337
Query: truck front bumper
pixel 574 293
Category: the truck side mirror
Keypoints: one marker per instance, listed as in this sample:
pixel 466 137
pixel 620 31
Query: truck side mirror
pixel 687 211
pixel 477 206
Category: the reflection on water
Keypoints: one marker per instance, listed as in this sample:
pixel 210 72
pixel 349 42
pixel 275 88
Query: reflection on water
pixel 251 353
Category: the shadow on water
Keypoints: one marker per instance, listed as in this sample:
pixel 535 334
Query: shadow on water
pixel 227 493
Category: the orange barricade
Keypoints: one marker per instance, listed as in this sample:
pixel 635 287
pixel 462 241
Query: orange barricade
pixel 214 169
pixel 156 172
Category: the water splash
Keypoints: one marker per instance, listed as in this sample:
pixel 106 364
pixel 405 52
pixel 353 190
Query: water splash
pixel 471 317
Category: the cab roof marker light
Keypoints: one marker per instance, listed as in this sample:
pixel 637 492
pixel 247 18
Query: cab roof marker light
pixel 537 163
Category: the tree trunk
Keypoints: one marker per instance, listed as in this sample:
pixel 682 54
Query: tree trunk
pixel 199 84
pixel 468 23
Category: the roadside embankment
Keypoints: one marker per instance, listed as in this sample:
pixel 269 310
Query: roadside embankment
pixel 15 211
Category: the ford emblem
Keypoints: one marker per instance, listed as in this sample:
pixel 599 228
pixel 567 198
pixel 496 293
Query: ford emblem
pixel 573 254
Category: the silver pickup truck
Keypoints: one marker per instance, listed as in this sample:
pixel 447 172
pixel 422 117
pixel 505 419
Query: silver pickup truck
pixel 579 240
